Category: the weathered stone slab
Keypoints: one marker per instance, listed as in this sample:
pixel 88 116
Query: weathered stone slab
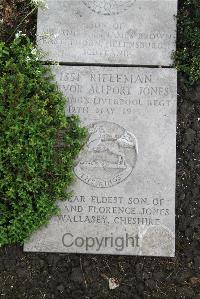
pixel 125 176
pixel 134 32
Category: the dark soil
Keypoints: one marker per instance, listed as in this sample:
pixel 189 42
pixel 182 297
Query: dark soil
pixel 40 275
pixel 16 15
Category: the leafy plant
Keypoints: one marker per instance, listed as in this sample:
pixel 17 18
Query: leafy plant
pixel 187 56
pixel 38 143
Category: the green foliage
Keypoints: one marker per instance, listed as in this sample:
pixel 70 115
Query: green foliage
pixel 187 56
pixel 34 171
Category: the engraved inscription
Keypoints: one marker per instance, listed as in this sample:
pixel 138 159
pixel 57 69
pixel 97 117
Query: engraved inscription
pixel 108 157
pixel 108 7
pixel 121 193
pixel 128 32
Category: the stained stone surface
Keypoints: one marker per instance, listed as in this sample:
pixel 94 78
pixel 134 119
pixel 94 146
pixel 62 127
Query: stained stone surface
pixel 124 193
pixel 133 32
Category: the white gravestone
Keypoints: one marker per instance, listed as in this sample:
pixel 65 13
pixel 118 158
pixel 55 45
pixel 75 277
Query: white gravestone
pixel 124 193
pixel 129 32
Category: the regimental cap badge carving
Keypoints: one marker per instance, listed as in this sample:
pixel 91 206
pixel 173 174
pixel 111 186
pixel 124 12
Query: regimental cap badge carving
pixel 108 7
pixel 108 157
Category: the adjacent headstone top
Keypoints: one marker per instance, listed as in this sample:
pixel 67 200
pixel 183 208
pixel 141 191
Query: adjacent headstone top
pixel 132 32
pixel 124 194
